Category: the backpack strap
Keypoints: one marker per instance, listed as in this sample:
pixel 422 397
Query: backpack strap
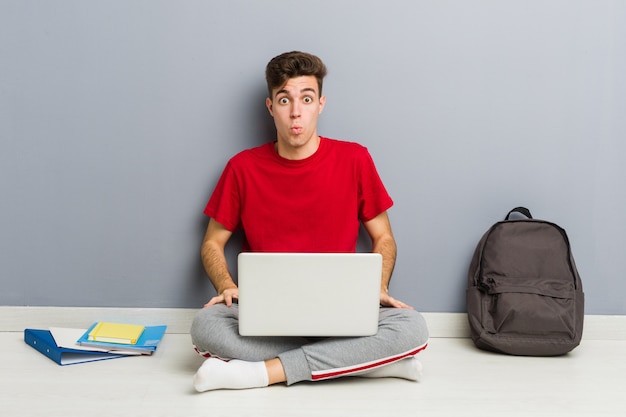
pixel 521 210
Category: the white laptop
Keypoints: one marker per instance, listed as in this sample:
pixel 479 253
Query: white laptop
pixel 309 294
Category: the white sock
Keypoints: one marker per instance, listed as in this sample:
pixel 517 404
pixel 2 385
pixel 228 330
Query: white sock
pixel 409 368
pixel 235 374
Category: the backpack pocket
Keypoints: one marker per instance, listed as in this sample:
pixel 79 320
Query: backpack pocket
pixel 525 311
pixel 527 319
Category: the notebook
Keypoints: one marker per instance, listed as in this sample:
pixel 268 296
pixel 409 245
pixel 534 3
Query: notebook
pixel 309 294
pixel 146 344
pixel 122 333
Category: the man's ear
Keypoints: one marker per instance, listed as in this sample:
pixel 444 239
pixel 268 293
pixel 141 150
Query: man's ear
pixel 322 103
pixel 268 104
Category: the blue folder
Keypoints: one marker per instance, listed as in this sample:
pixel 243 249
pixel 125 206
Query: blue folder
pixel 146 344
pixel 42 341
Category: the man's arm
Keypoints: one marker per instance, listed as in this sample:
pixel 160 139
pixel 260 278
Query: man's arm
pixel 215 265
pixel 383 242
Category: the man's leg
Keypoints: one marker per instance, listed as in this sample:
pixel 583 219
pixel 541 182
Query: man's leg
pixel 254 363
pixel 215 334
pixel 401 335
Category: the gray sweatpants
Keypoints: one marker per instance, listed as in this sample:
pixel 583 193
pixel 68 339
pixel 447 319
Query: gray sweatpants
pixel 401 333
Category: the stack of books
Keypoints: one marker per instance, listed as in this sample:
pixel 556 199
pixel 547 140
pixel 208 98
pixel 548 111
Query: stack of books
pixel 102 340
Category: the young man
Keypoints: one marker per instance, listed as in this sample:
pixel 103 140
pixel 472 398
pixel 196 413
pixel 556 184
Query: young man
pixel 300 193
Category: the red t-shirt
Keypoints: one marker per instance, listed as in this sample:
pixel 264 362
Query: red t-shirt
pixel 310 205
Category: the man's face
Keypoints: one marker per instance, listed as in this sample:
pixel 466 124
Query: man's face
pixel 295 108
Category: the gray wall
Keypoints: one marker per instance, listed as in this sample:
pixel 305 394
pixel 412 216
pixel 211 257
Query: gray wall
pixel 116 118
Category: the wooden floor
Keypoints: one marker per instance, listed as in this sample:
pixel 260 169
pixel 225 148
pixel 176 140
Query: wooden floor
pixel 458 380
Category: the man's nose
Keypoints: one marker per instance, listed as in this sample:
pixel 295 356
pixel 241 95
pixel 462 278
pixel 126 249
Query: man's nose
pixel 295 110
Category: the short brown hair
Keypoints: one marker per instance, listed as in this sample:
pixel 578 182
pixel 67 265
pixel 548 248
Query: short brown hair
pixel 293 64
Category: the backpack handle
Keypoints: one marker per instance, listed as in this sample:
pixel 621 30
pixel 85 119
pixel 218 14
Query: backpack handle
pixel 521 210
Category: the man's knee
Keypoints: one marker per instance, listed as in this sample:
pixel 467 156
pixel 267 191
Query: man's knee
pixel 209 326
pixel 420 328
pixel 409 325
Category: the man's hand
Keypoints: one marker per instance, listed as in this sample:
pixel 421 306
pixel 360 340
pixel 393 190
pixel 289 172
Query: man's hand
pixel 226 297
pixel 388 301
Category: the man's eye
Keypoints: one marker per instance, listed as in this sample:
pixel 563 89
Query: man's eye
pixel 308 100
pixel 283 100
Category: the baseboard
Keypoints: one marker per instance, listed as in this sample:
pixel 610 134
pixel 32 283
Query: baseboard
pixel 178 320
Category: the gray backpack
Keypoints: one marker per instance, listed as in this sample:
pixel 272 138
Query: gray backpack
pixel 524 294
